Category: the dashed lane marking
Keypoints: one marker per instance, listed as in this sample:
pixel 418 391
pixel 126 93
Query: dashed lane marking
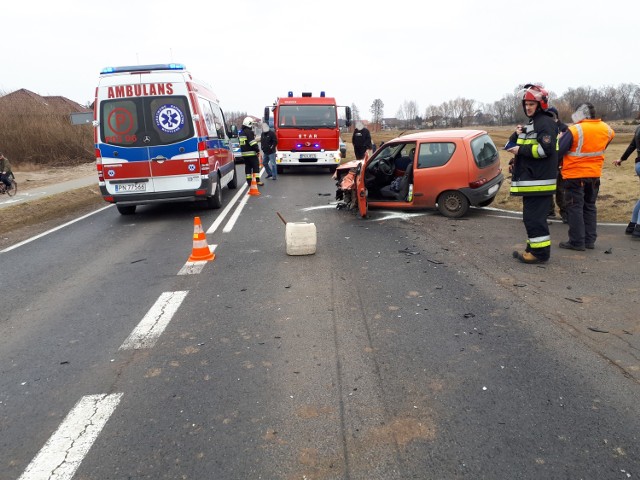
pixel 154 322
pixel 64 451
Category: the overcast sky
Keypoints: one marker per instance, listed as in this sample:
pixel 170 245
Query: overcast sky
pixel 253 51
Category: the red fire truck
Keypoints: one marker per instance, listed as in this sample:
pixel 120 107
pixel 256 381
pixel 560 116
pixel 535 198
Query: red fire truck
pixel 308 130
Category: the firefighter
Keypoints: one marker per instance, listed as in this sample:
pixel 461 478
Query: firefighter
pixel 583 148
pixel 250 150
pixel 535 168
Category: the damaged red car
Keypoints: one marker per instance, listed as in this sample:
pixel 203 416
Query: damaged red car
pixel 450 170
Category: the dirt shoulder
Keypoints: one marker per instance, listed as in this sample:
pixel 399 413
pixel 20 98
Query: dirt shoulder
pixel 27 219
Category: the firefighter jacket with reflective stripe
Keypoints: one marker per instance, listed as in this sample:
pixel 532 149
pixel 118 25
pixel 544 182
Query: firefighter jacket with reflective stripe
pixel 248 143
pixel 583 148
pixel 535 167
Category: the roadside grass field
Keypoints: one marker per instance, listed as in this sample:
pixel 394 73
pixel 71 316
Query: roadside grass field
pixel 619 189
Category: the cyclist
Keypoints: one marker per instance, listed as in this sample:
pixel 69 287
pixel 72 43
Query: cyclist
pixel 5 170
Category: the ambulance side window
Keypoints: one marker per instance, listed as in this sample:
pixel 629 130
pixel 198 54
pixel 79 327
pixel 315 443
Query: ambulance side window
pixel 209 118
pixel 218 120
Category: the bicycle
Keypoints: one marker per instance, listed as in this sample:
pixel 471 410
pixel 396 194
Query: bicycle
pixel 12 190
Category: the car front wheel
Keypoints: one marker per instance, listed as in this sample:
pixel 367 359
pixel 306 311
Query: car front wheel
pixel 453 204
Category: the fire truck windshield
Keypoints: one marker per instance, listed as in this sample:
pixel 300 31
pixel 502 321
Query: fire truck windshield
pixel 307 116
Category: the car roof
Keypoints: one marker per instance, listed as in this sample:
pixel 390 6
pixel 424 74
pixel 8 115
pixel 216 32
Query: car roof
pixel 433 134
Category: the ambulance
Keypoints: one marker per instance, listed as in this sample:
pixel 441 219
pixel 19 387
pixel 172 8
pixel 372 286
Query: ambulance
pixel 160 136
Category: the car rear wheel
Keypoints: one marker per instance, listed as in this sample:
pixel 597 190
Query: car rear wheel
pixel 233 184
pixel 126 209
pixel 453 204
pixel 215 200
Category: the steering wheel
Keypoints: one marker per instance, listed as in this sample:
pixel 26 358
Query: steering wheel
pixel 386 166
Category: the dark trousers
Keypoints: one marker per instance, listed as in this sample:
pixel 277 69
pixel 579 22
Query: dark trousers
pixel 562 209
pixel 580 197
pixel 5 179
pixel 360 152
pixel 534 216
pixel 251 166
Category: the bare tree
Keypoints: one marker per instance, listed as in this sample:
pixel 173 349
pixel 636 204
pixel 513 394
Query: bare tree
pixel 377 112
pixel 355 113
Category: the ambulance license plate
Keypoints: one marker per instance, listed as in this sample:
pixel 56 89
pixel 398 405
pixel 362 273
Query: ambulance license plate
pixel 131 187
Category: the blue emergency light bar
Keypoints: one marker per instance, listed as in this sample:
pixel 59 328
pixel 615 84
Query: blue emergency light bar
pixel 143 68
pixel 304 94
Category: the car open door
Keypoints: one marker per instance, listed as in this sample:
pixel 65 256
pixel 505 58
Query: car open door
pixel 361 189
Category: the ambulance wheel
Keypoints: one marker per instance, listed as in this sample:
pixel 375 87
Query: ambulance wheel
pixel 233 184
pixel 453 204
pixel 215 200
pixel 126 209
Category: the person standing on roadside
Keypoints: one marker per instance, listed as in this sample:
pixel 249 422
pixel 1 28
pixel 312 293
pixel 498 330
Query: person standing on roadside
pixel 583 149
pixel 535 168
pixel 361 140
pixel 5 170
pixel 634 226
pixel 562 127
pixel 250 151
pixel 268 142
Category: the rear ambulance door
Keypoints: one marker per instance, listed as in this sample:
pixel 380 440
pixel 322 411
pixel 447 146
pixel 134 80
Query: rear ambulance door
pixel 125 157
pixel 173 148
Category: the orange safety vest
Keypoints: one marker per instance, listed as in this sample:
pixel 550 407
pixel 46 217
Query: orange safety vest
pixel 586 156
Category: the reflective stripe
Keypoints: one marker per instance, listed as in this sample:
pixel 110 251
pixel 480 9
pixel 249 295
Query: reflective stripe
pixel 542 188
pixel 524 186
pixel 536 149
pixel 249 154
pixel 540 242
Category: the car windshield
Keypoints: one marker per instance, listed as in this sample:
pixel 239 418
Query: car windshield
pixel 307 116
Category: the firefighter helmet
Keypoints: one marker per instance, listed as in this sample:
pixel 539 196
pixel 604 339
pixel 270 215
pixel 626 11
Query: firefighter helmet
pixel 535 93
pixel 248 122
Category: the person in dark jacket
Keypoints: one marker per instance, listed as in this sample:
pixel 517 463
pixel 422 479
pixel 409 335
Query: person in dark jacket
pixel 250 151
pixel 5 171
pixel 562 127
pixel 634 225
pixel 361 140
pixel 535 169
pixel 268 142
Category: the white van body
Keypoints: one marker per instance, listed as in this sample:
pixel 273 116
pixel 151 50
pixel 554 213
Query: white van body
pixel 160 136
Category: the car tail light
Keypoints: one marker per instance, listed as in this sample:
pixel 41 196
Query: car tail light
pixel 99 165
pixel 204 158
pixel 478 183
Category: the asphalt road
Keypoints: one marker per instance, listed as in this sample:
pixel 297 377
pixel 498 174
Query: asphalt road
pixel 405 347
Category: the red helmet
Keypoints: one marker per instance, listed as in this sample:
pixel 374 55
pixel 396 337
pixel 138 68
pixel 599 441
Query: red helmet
pixel 535 93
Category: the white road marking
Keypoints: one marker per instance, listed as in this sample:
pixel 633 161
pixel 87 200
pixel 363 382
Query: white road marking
pixel 64 451
pixel 232 221
pixel 226 210
pixel 194 268
pixel 154 322
pixel 53 229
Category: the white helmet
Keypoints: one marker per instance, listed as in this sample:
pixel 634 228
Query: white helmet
pixel 247 122
pixel 265 127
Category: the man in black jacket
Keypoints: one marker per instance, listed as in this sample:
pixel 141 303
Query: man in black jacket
pixel 361 140
pixel 268 142
pixel 535 169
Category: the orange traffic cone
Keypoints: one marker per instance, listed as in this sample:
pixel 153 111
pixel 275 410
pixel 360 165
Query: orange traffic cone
pixel 200 251
pixel 253 190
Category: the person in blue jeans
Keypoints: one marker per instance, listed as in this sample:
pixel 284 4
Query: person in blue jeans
pixel 633 228
pixel 268 142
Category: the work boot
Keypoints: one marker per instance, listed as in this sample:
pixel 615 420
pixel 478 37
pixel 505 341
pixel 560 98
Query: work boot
pixel 571 246
pixel 528 257
pixel 636 231
pixel 630 228
pixel 260 183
